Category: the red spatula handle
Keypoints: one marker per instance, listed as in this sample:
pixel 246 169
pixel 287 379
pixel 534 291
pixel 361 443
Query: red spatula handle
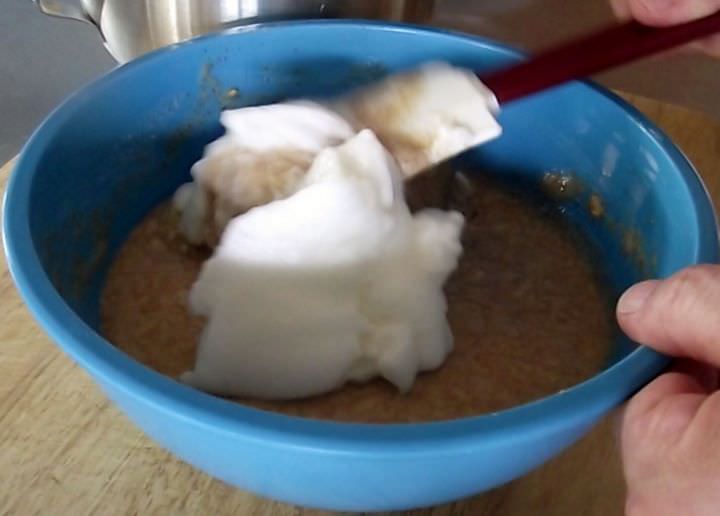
pixel 595 53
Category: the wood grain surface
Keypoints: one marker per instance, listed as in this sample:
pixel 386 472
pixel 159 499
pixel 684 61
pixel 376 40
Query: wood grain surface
pixel 64 449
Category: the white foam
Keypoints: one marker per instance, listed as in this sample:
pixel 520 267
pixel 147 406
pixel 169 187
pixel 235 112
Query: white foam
pixel 337 282
pixel 422 117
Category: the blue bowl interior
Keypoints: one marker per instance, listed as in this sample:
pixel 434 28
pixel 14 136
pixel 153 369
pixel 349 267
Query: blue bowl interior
pixel 132 142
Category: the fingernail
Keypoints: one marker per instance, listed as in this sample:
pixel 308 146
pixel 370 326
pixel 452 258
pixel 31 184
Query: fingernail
pixel 634 298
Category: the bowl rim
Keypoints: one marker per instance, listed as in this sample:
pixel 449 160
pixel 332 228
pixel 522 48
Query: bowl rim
pixel 112 367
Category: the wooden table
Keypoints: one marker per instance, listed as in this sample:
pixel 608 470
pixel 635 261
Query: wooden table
pixel 64 449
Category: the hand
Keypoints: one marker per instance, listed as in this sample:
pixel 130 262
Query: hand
pixel 670 431
pixel 670 12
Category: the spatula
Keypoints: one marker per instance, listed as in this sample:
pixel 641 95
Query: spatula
pixel 599 51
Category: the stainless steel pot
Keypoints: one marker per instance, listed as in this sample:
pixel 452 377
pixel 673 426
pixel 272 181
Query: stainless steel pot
pixel 130 28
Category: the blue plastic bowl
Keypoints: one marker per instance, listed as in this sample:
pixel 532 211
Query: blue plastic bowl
pixel 119 146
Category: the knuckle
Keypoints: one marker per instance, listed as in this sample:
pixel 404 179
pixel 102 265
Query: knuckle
pixel 686 307
pixel 681 289
pixel 709 416
pixel 689 279
pixel 658 428
pixel 634 431
pixel 637 425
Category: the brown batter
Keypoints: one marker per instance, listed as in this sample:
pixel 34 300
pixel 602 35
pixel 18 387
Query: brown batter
pixel 528 312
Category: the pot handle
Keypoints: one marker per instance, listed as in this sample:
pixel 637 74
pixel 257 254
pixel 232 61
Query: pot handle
pixel 62 9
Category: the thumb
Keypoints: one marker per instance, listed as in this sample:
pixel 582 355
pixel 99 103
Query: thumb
pixel 679 316
pixel 670 12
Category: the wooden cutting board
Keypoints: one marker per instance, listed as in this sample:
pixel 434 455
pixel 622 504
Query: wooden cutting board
pixel 64 449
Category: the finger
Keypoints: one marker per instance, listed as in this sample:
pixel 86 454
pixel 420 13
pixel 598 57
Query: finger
pixel 710 46
pixel 679 316
pixel 685 377
pixel 664 386
pixel 660 413
pixel 706 423
pixel 671 12
pixel 659 12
